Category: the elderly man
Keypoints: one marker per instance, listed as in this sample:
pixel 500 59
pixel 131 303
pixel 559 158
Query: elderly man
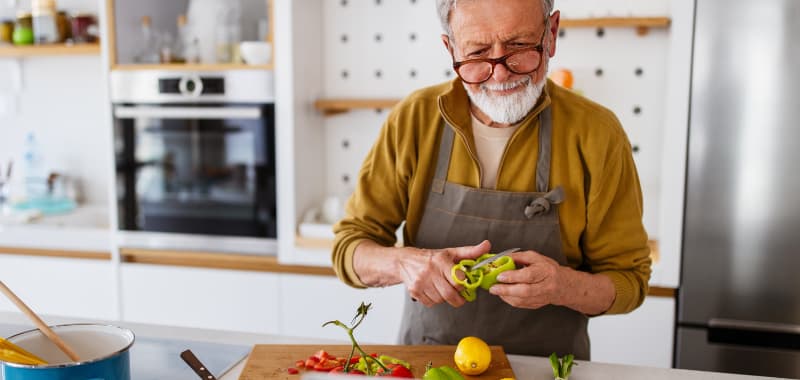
pixel 500 158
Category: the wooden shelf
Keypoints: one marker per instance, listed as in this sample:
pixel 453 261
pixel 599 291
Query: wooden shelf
pixel 49 50
pixel 190 67
pixel 642 24
pixel 216 260
pixel 335 106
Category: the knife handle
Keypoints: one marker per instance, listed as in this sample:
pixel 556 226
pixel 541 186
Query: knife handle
pixel 196 365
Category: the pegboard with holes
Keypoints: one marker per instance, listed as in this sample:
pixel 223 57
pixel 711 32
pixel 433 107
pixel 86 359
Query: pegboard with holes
pixel 389 48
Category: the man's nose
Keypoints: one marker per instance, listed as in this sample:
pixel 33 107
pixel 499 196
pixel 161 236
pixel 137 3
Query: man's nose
pixel 501 72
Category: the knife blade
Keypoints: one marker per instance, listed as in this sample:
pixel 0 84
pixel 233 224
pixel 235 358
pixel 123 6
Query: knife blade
pixel 495 257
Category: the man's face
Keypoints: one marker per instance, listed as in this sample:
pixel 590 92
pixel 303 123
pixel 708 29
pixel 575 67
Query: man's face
pixel 491 29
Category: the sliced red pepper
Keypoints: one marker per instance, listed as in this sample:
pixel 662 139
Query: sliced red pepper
pixel 321 355
pixel 300 364
pixel 326 365
pixel 292 371
pixel 311 361
pixel 398 370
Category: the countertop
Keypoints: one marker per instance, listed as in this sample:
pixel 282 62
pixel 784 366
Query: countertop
pixel 84 229
pixel 525 367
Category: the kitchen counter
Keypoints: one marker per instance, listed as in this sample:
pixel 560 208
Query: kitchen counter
pixel 84 229
pixel 525 367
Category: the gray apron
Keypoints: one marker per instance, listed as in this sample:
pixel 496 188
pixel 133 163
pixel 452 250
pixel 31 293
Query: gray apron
pixel 457 215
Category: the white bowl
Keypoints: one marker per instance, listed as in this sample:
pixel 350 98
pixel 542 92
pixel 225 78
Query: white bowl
pixel 255 52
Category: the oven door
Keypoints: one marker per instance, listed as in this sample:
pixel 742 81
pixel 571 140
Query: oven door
pixel 196 169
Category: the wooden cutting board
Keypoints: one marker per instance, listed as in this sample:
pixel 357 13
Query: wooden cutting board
pixel 271 361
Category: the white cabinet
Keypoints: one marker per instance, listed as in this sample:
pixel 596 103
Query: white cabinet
pixel 197 297
pixel 60 286
pixel 643 337
pixel 307 302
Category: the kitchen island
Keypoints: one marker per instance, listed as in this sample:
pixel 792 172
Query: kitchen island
pixel 525 367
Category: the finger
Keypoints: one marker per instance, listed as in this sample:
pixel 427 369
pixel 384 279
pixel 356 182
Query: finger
pixel 516 290
pixel 448 292
pixel 471 251
pixel 526 257
pixel 532 274
pixel 423 299
pixel 433 295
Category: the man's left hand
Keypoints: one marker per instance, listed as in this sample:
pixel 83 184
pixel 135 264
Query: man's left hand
pixel 539 282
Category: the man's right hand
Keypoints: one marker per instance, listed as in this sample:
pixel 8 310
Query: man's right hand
pixel 425 272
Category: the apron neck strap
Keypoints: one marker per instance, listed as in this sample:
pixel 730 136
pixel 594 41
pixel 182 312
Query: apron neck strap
pixel 542 163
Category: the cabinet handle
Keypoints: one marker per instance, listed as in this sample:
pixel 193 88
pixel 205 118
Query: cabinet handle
pixel 754 333
pixel 151 112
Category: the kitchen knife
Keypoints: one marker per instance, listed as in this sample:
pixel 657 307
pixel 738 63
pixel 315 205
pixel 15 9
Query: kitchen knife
pixel 495 257
pixel 197 366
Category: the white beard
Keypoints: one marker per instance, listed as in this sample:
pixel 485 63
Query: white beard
pixel 507 109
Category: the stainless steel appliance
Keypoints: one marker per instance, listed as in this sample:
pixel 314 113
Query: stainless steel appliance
pixel 195 160
pixel 739 298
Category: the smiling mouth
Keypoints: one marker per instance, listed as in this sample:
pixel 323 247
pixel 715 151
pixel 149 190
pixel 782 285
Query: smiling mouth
pixel 508 87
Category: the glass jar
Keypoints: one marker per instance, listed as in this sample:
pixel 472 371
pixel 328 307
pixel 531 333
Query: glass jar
pixel 45 29
pixel 63 26
pixel 6 31
pixel 84 28
pixel 23 29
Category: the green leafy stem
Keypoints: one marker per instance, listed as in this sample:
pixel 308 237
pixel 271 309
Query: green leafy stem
pixel 360 314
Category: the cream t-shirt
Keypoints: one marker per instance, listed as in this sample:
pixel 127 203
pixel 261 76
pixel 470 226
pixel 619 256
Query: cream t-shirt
pixel 490 143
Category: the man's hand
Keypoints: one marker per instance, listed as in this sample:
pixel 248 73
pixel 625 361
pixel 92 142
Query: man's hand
pixel 538 283
pixel 426 273
pixel 542 281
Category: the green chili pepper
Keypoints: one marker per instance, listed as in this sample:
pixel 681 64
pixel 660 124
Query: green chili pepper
pixel 441 373
pixel 386 359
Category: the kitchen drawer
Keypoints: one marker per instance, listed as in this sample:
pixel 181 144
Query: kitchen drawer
pixel 60 286
pixel 198 297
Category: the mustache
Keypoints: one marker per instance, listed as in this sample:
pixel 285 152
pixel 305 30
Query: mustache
pixel 506 86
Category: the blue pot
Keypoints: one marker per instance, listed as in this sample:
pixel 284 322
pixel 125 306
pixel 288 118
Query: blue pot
pixel 104 351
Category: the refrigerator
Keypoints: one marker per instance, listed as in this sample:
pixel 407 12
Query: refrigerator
pixel 739 296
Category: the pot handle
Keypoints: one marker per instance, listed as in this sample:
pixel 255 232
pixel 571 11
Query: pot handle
pixel 196 365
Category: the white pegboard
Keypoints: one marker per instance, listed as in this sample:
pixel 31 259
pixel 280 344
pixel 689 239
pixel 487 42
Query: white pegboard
pixel 389 48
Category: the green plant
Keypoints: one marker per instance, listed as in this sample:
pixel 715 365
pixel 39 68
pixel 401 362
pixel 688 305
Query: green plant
pixel 360 314
pixel 562 366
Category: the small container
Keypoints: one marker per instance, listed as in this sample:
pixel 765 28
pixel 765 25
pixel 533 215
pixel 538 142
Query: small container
pixel 23 29
pixel 45 28
pixel 84 28
pixel 6 31
pixel 63 26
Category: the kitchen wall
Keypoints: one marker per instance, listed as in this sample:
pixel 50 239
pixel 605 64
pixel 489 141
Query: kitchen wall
pixel 63 101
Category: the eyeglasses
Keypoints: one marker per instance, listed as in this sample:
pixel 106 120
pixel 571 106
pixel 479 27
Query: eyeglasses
pixel 523 61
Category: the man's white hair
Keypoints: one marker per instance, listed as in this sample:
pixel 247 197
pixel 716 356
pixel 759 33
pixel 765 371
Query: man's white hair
pixel 445 7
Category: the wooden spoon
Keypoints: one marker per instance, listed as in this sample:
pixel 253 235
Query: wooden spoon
pixel 39 323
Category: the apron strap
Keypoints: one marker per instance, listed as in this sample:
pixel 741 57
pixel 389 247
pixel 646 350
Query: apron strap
pixel 543 162
pixel 443 159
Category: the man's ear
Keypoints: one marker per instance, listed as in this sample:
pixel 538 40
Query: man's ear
pixel 446 41
pixel 555 19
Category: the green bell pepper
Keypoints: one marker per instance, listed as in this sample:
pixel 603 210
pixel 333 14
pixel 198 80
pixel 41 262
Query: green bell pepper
pixel 494 268
pixel 483 277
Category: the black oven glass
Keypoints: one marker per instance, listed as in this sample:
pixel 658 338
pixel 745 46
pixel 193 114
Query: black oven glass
pixel 193 172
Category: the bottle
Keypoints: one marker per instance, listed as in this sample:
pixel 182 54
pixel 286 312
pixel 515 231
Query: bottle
pixel 45 27
pixel 181 42
pixel 148 51
pixel 35 169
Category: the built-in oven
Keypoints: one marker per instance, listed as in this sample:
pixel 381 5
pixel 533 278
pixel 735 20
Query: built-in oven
pixel 195 160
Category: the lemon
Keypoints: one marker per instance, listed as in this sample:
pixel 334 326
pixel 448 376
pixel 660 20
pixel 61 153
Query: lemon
pixel 472 356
